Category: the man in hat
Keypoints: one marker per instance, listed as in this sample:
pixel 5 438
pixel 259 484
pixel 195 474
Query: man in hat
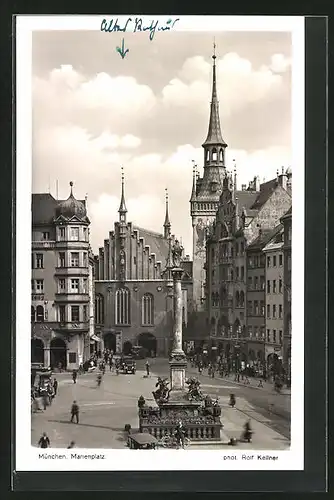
pixel 44 441
pixel 75 412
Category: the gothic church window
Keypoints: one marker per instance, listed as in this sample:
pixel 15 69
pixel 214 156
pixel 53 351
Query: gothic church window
pixel 147 308
pixel 123 306
pixel 99 309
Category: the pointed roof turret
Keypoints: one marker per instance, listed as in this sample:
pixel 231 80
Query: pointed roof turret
pixel 122 207
pixel 167 224
pixel 193 192
pixel 214 136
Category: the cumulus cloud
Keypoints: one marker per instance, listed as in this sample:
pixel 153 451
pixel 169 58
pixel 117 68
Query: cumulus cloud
pixel 86 125
pixel 238 83
pixel 279 63
pixel 66 95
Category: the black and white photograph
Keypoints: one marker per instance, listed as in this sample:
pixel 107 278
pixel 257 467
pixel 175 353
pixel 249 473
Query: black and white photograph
pixel 158 162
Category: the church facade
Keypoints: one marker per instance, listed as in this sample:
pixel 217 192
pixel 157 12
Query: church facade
pixel 133 287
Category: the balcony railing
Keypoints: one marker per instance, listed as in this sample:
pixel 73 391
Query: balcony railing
pixel 72 297
pixel 43 244
pixel 73 325
pixel 37 296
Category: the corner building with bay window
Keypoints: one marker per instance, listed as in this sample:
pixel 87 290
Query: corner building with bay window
pixel 62 285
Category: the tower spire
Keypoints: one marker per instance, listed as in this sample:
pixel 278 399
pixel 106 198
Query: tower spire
pixel 193 192
pixel 167 224
pixel 122 207
pixel 214 136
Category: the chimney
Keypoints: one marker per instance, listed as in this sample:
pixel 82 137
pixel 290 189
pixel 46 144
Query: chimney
pixel 282 179
pixel 256 183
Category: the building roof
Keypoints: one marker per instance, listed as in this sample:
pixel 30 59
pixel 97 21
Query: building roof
pixel 212 175
pixel 71 207
pixel 43 206
pixel 287 214
pixel 264 237
pixel 266 189
pixel 245 200
pixel 157 243
pixel 276 242
pixel 214 136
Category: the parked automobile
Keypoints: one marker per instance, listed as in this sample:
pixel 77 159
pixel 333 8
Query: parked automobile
pixel 142 441
pixel 138 352
pixel 127 365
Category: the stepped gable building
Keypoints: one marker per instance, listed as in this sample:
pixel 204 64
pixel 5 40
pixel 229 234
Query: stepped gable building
pixel 62 309
pixel 134 301
pixel 242 217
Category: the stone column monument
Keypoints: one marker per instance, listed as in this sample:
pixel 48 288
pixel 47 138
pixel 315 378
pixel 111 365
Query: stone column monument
pixel 199 415
pixel 178 362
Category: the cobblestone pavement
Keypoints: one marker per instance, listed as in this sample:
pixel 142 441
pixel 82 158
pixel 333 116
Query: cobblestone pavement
pixel 104 411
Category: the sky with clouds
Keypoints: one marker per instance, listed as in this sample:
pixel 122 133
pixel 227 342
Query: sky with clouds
pixel 94 111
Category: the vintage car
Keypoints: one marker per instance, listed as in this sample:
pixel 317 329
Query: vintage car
pixel 127 365
pixel 138 352
pixel 142 441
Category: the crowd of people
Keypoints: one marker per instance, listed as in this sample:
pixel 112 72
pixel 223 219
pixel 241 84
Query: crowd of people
pixel 242 374
pixel 43 395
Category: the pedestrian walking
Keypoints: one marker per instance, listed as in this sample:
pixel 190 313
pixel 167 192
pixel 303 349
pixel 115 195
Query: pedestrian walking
pixel 45 399
pixel 44 441
pixel 232 400
pixel 74 376
pixel 147 364
pixel 71 445
pixel 55 386
pixel 75 412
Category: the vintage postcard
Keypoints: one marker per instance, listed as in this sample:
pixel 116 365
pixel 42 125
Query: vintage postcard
pixel 158 160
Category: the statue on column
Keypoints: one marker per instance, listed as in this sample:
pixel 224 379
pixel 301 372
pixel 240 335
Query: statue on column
pixel 177 254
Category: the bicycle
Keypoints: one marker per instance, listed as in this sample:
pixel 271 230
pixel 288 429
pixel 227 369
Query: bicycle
pixel 172 442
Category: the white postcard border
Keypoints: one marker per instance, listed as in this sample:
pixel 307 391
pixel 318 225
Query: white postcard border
pixel 27 457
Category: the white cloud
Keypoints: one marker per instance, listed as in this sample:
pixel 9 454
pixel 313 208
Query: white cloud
pixel 279 63
pixel 130 141
pixel 238 83
pixel 65 95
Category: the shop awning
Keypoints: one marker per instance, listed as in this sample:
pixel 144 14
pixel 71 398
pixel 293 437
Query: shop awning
pixel 95 338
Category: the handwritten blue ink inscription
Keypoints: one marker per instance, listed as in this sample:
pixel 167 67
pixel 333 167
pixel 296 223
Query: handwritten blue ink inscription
pixel 137 25
pixel 121 51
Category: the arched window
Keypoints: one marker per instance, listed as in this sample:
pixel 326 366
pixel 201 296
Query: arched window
pixel 237 299
pixel 40 314
pixel 99 309
pixel 123 306
pixel 214 154
pixel 221 155
pixel 147 309
pixel 208 155
pixel 33 317
pixel 242 299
